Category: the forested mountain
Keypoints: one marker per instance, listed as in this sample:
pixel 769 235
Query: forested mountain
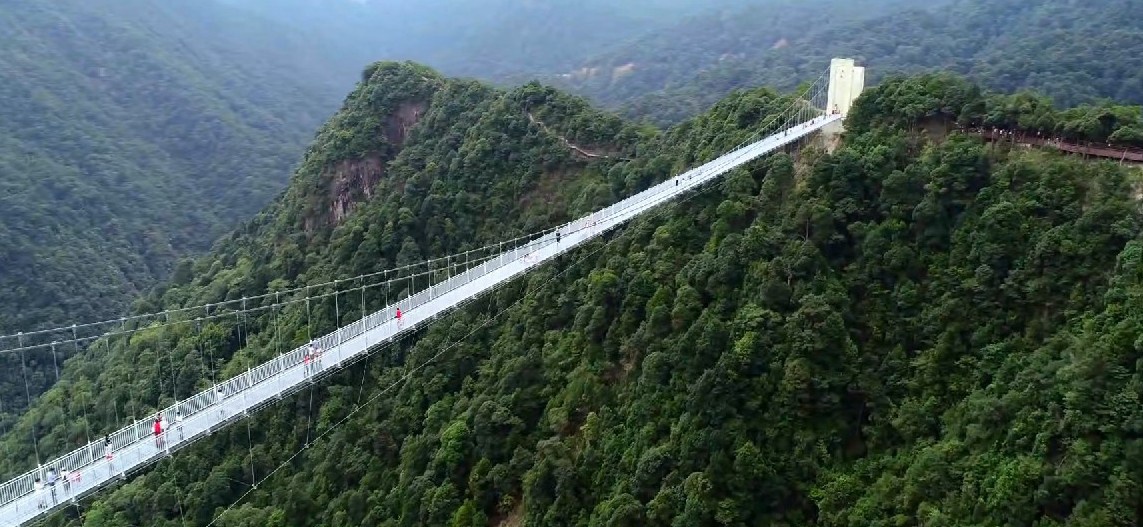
pixel 496 40
pixel 133 132
pixel 136 131
pixel 917 328
pixel 1074 52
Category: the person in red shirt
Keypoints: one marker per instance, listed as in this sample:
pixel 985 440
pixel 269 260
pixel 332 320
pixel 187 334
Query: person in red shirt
pixel 158 431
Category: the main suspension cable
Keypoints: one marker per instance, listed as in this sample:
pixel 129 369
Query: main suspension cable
pixel 423 263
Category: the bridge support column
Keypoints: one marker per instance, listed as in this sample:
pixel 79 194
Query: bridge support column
pixel 846 81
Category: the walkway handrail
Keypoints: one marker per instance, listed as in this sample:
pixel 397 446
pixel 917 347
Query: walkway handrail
pixel 288 372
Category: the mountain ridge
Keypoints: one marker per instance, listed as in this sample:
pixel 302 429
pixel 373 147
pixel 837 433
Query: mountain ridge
pixel 849 335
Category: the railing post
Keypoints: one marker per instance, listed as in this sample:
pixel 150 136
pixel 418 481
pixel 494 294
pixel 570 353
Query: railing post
pixel 245 392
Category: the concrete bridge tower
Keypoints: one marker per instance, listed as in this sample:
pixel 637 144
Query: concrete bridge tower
pixel 846 81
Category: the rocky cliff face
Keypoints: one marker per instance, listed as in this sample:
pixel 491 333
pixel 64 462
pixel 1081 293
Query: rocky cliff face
pixel 353 181
pixel 350 182
pixel 352 152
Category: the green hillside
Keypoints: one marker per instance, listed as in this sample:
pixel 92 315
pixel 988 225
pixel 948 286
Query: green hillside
pixel 133 133
pixel 916 328
pixel 1074 52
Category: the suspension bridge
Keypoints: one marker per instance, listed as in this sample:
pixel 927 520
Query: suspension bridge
pixel 27 498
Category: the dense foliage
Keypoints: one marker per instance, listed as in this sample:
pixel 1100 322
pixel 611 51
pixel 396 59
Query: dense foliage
pixel 1106 122
pixel 906 102
pixel 912 329
pixel 1072 52
pixel 134 133
pixel 137 134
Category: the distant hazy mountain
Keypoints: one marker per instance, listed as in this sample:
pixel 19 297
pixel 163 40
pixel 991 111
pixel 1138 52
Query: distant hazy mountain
pixel 1073 51
pixel 132 133
pixel 491 39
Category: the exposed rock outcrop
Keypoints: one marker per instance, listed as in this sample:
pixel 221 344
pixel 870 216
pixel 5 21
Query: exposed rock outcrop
pixel 354 181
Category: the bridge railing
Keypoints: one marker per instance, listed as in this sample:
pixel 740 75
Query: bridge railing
pixel 594 224
pixel 90 454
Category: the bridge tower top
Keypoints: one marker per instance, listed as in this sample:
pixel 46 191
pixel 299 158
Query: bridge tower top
pixel 846 81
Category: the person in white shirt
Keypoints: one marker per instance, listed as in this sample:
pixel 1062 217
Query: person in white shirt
pixel 218 401
pixel 312 354
pixel 52 477
pixel 108 454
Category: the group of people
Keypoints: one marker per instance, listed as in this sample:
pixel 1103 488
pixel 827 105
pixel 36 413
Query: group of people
pixel 160 427
pixel 312 359
pixel 47 486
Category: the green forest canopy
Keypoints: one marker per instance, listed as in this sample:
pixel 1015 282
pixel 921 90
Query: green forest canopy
pixel 902 331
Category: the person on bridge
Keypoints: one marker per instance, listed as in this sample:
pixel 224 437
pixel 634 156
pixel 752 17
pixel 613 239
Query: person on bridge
pixel 52 477
pixel 313 351
pixel 158 431
pixel 219 400
pixel 308 359
pixel 398 317
pixel 179 423
pixel 108 454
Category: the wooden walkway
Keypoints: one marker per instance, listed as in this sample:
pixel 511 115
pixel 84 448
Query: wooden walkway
pixel 1107 151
